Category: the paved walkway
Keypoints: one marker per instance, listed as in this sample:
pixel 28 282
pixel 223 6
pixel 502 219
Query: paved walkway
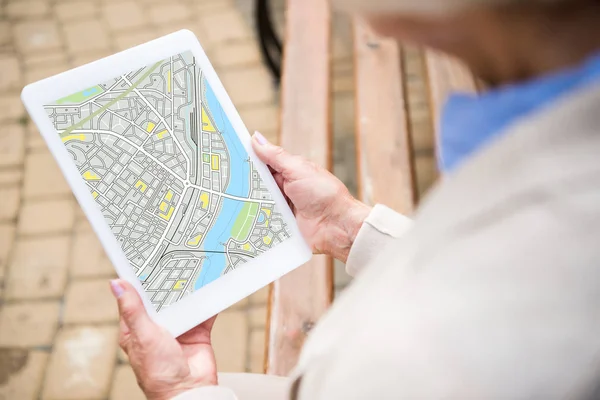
pixel 58 321
pixel 58 331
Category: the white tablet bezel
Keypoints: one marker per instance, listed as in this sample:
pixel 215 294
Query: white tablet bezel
pixel 228 289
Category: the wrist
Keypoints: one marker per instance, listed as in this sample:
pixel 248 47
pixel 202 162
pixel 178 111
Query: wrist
pixel 348 220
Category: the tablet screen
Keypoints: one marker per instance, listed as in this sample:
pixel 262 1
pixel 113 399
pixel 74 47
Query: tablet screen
pixel 173 181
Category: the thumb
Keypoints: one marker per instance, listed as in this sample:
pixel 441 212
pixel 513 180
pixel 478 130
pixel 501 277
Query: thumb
pixel 131 307
pixel 276 157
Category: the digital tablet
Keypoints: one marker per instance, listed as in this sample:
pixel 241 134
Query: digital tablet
pixel 162 165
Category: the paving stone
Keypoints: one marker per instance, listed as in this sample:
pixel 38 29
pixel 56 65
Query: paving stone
pixel 37 60
pixel 226 25
pixel 9 177
pixel 85 36
pixel 27 8
pixel 35 36
pixel 28 324
pixel 256 363
pixel 125 386
pixel 11 108
pixel 11 72
pixel 5 37
pixel 38 268
pixel 75 9
pixel 24 373
pixel 35 141
pixel 197 29
pixel 7 238
pixel 82 225
pixel 164 13
pixel 236 54
pixel 88 258
pixel 246 86
pixel 43 177
pixel 203 6
pixel 41 72
pixel 11 197
pixel 258 317
pixel 123 15
pixel 263 118
pixel 81 364
pixel 12 144
pixel 89 301
pixel 50 216
pixel 229 338
pixel 127 40
pixel 172 27
pixel 88 57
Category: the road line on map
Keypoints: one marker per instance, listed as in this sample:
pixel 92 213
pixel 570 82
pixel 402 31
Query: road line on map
pixel 83 121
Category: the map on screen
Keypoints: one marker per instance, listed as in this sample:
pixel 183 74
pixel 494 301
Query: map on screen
pixel 173 181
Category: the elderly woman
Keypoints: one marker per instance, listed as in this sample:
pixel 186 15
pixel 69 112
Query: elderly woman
pixel 493 290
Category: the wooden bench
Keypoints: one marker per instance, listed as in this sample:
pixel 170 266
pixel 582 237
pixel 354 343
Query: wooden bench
pixel 399 92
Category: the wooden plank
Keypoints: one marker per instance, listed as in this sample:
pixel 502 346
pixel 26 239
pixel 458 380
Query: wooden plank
pixel 299 299
pixel 382 133
pixel 446 74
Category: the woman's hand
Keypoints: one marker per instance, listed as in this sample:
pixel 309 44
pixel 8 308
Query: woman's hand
pixel 164 366
pixel 327 214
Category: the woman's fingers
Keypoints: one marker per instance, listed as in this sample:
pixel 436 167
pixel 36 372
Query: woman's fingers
pixel 131 309
pixel 290 166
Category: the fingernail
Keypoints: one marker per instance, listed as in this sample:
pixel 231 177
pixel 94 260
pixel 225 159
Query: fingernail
pixel 116 288
pixel 260 138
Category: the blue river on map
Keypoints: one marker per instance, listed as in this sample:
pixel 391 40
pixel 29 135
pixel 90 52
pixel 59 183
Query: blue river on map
pixel 239 185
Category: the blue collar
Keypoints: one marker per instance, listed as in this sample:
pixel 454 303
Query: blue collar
pixel 470 121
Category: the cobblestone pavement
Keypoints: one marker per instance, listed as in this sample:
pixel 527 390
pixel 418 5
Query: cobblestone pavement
pixel 58 332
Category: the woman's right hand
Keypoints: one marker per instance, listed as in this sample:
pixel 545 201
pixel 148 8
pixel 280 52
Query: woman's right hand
pixel 328 216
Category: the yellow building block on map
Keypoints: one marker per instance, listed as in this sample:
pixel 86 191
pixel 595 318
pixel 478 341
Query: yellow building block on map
pixel 246 246
pixel 150 126
pixel 180 284
pixel 169 195
pixel 204 200
pixel 195 240
pixel 162 134
pixel 89 175
pixel 267 240
pixel 95 194
pixel 168 215
pixel 163 206
pixel 206 124
pixel 141 186
pixel 73 137
pixel 215 162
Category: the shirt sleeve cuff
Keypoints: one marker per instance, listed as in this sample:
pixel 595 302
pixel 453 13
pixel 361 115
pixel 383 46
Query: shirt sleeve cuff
pixel 207 393
pixel 382 226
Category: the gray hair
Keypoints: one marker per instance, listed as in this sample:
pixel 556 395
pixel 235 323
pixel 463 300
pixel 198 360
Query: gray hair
pixel 417 6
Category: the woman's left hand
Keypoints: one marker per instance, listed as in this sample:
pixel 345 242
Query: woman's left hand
pixel 164 366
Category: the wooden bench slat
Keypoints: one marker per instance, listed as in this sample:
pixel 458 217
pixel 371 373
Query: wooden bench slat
pixel 382 134
pixel 298 299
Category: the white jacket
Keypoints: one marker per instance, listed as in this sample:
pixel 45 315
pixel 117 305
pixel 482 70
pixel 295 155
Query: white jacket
pixel 492 293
